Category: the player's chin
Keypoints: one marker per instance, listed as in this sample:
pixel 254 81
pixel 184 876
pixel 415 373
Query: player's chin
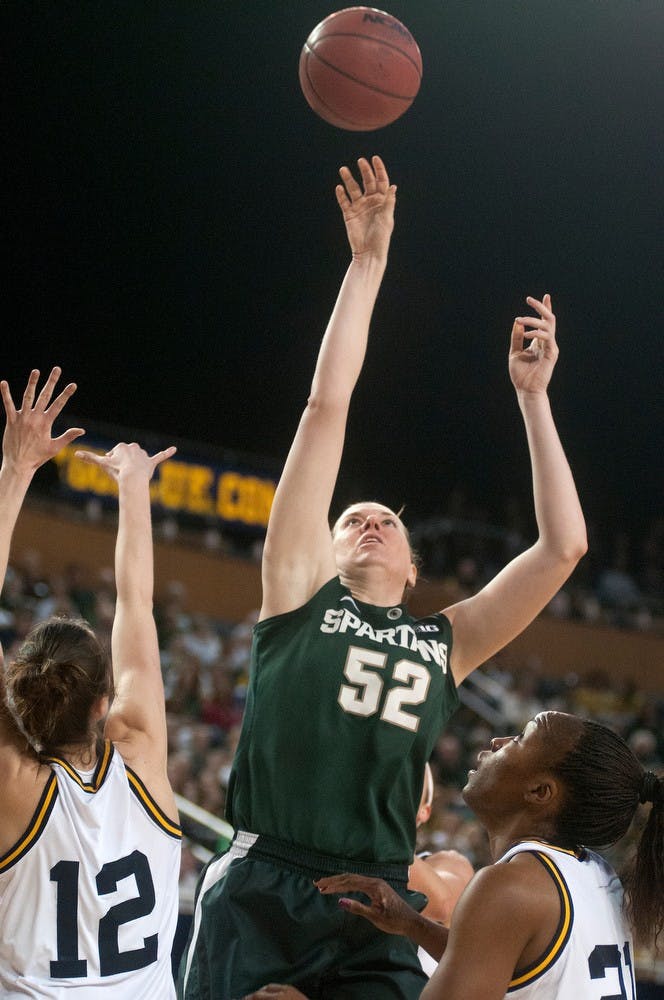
pixel 369 554
pixel 470 781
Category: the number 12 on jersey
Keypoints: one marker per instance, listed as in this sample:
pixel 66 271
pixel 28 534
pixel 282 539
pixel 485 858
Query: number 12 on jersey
pixel 112 961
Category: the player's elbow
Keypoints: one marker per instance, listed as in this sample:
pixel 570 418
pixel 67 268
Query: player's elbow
pixel 569 551
pixel 135 601
pixel 327 403
pixel 576 548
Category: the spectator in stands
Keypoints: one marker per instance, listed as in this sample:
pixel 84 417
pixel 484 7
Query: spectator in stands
pixel 82 813
pixel 82 592
pixel 221 708
pixel 643 744
pixel 186 697
pixel 56 601
pixel 202 640
pixel 449 759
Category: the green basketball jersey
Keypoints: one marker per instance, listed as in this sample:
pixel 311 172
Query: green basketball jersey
pixel 346 701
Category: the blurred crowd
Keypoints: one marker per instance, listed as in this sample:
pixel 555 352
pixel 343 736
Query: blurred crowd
pixel 620 582
pixel 205 666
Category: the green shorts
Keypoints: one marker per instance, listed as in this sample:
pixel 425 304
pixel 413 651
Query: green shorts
pixel 259 919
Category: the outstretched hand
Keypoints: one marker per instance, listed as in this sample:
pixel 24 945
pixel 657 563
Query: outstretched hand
pixel 531 367
pixel 27 443
pixel 126 458
pixel 386 909
pixel 368 210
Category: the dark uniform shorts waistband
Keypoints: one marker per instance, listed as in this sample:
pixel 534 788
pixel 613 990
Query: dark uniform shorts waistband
pixel 316 865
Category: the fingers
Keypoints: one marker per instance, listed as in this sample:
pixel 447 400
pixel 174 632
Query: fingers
pixel 541 330
pixel 517 338
pixel 382 179
pixel 162 456
pixel 543 307
pixel 374 178
pixel 546 319
pixel 346 883
pixel 7 400
pixel 91 457
pixel 342 198
pixel 44 397
pixel 374 888
pixel 126 454
pixel 368 176
pixel 354 906
pixel 353 190
pixel 68 436
pixel 59 402
pixel 29 393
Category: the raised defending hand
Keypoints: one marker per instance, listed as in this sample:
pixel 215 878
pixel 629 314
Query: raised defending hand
pixel 386 909
pixel 27 443
pixel 127 458
pixel 531 367
pixel 368 210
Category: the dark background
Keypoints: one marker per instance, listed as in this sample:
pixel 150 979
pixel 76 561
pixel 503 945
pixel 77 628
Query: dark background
pixel 176 246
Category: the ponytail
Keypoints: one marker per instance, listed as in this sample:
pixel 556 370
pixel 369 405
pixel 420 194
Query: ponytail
pixel 645 882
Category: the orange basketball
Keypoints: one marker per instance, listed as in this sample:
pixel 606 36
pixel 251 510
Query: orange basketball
pixel 360 69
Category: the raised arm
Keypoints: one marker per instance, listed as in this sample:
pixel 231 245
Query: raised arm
pixel 486 622
pixel 137 719
pixel 298 556
pixel 26 445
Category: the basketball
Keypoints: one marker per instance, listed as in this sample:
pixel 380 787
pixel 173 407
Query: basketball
pixel 360 69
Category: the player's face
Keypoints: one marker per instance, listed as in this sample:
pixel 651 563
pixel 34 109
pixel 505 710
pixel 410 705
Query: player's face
pixel 370 533
pixel 514 764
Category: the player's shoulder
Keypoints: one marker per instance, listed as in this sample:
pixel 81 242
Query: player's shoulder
pixel 24 787
pixel 435 621
pixel 498 909
pixel 520 884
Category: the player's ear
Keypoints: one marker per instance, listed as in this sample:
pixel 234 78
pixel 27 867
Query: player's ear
pixel 423 814
pixel 542 791
pixel 411 579
pixel 100 708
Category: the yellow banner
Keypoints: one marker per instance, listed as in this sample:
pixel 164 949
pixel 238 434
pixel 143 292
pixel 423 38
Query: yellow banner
pixel 181 486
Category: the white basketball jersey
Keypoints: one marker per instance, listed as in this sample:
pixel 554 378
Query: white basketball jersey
pixel 429 964
pixel 89 894
pixel 591 954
